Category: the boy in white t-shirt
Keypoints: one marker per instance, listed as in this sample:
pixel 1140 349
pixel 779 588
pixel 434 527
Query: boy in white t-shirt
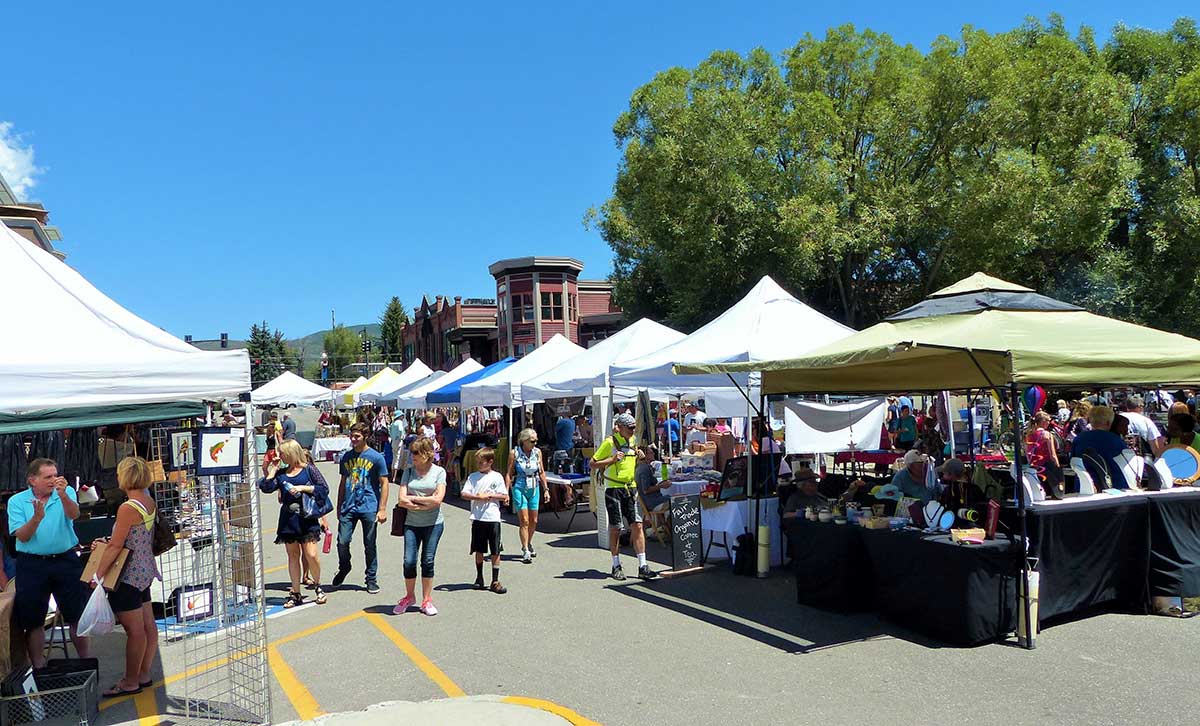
pixel 485 490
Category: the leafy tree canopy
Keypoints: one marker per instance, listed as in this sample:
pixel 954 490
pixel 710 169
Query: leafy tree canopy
pixel 862 174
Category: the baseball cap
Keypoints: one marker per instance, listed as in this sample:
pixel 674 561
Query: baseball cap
pixel 953 467
pixel 625 419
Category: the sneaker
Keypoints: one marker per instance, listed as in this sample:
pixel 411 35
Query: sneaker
pixel 532 553
pixel 405 603
pixel 340 577
pixel 527 557
pixel 428 608
pixel 646 573
pixel 372 588
pixel 618 573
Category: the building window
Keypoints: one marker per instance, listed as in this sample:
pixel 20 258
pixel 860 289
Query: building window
pixel 523 311
pixel 523 349
pixel 573 307
pixel 552 307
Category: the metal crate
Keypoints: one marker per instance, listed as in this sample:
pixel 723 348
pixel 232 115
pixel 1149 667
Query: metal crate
pixel 62 699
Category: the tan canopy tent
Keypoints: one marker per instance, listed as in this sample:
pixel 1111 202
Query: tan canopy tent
pixel 983 333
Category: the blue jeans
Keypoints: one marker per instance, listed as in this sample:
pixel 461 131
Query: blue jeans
pixel 427 539
pixel 370 528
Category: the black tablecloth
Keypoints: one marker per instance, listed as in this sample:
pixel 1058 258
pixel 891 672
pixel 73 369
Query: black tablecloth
pixel 1090 554
pixel 833 571
pixel 1174 568
pixel 959 594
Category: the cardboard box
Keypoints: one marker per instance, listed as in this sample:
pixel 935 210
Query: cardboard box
pixel 12 645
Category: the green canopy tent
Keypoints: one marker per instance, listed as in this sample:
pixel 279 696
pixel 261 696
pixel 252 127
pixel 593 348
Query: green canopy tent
pixel 984 333
pixel 994 334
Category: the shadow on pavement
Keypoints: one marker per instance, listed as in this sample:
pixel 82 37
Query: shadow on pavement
pixel 582 575
pixel 764 610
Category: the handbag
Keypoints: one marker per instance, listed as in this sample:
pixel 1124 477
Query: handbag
pixel 310 507
pixel 399 515
pixel 162 538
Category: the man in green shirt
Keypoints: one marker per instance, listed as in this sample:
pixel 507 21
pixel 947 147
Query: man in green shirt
pixel 618 457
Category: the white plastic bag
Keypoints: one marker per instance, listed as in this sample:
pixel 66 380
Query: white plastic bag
pixel 97 618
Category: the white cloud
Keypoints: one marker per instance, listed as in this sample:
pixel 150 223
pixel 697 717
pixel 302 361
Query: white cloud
pixel 16 161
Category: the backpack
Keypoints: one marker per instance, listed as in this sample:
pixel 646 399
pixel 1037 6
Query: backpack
pixel 744 555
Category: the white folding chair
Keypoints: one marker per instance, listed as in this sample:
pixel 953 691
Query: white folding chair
pixel 1087 486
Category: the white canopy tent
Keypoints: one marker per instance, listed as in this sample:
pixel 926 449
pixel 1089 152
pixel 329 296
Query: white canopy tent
pixel 504 388
pixel 70 346
pixel 388 380
pixel 763 324
pixel 580 375
pixel 288 387
pixel 414 397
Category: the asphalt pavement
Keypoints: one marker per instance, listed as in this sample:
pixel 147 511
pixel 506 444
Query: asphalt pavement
pixel 706 648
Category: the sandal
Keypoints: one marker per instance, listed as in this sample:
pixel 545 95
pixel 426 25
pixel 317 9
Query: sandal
pixel 293 599
pixel 320 595
pixel 116 692
pixel 309 583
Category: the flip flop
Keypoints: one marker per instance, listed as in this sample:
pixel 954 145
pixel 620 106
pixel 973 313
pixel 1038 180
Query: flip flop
pixel 147 684
pixel 116 692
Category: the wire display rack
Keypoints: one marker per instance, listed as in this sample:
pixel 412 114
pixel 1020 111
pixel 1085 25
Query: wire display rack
pixel 212 594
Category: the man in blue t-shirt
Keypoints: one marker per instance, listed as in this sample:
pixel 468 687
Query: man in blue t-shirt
pixel 564 433
pixel 1100 449
pixel 362 498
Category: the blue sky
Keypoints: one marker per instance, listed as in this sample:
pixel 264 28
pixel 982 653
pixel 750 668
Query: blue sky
pixel 227 162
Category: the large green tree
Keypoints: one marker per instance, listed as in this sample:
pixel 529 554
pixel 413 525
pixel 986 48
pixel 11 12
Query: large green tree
pixel 344 347
pixel 269 353
pixel 862 174
pixel 391 330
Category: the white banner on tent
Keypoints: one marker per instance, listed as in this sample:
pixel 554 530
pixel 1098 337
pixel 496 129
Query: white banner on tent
pixel 814 428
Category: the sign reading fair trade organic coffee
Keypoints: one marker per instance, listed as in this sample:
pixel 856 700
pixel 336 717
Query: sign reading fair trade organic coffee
pixel 685 532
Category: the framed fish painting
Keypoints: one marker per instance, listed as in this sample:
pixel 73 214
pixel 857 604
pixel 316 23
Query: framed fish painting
pixel 220 451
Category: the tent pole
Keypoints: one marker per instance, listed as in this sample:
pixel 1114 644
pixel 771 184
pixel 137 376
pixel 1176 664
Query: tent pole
pixel 1019 490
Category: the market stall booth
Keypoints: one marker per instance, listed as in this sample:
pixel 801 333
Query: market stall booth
pixel 288 388
pixel 386 382
pixel 111 368
pixel 986 334
pixel 414 398
pixel 767 323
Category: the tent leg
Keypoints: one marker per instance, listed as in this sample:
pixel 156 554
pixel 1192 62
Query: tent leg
pixel 1019 490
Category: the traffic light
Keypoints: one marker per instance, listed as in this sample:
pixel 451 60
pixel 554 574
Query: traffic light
pixel 366 346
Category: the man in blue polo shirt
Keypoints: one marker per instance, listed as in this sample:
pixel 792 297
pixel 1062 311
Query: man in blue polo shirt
pixel 42 518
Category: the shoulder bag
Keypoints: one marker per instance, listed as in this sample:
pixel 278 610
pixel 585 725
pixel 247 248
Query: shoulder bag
pixel 310 506
pixel 163 539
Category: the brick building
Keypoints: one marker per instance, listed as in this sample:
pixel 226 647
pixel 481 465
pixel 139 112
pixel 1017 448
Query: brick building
pixel 442 333
pixel 28 219
pixel 539 297
pixel 536 297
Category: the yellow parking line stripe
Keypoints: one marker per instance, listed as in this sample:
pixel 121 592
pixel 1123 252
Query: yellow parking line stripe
pixel 302 699
pixel 418 658
pixel 554 708
pixel 275 569
pixel 147 708
pixel 108 703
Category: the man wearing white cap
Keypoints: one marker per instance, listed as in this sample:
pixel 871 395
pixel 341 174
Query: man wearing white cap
pixel 911 479
pixel 619 459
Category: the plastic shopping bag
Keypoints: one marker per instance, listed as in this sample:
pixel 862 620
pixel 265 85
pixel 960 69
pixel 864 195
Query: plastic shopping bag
pixel 97 618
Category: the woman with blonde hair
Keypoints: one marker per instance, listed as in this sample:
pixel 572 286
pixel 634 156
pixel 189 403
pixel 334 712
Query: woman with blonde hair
pixel 301 535
pixel 526 481
pixel 421 492
pixel 130 599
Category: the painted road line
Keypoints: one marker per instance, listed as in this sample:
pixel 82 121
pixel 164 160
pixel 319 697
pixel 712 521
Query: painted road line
pixel 554 708
pixel 108 703
pixel 418 658
pixel 305 705
pixel 147 708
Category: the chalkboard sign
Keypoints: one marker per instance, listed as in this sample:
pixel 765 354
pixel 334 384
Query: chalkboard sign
pixel 733 480
pixel 686 543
